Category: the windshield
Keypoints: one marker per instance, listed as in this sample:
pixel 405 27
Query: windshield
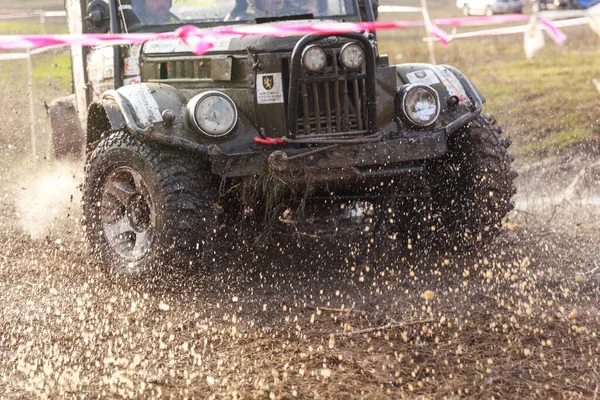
pixel 176 12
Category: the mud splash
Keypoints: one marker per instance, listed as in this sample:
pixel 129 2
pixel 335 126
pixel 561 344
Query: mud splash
pixel 50 201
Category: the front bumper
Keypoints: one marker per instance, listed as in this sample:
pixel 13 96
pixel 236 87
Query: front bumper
pixel 350 160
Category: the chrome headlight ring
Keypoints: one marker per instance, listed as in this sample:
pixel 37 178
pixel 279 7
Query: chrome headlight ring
pixel 352 55
pixel 314 58
pixel 420 105
pixel 212 113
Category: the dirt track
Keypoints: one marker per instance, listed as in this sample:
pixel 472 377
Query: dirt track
pixel 519 319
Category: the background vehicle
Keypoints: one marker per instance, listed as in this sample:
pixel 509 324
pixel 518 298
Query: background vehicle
pixel 490 7
pixel 261 128
pixel 540 5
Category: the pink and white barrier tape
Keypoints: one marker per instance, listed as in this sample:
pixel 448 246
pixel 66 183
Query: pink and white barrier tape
pixel 482 20
pixel 200 40
pixel 556 35
pixel 552 28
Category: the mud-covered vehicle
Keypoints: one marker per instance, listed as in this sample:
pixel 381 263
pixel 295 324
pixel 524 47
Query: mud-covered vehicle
pixel 269 129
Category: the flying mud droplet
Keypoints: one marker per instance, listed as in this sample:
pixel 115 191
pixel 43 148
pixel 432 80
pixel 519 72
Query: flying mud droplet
pixel 428 295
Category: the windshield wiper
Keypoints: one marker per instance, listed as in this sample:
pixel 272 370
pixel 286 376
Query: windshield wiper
pixel 295 17
pixel 205 23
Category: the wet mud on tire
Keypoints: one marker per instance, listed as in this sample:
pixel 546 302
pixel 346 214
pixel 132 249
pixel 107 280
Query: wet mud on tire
pixel 472 187
pixel 146 204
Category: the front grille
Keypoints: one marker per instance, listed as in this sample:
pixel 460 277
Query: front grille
pixel 336 103
pixel 333 101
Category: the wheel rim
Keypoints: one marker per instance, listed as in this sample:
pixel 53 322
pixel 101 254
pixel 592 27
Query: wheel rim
pixel 127 214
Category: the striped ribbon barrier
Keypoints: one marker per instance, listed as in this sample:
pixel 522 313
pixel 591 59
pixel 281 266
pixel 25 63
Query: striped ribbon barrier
pixel 201 40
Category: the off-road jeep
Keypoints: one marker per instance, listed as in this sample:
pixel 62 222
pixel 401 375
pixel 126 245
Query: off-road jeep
pixel 176 144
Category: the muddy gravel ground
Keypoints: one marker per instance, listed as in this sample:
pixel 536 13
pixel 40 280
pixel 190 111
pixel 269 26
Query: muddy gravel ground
pixel 362 316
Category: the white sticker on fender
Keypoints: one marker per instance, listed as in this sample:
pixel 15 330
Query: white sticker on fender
pixel 424 76
pixel 143 103
pixel 453 85
pixel 131 81
pixel 269 88
pixel 132 66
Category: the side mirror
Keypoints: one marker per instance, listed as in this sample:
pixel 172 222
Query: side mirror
pixel 98 17
pixel 375 4
pixel 369 10
pixel 128 8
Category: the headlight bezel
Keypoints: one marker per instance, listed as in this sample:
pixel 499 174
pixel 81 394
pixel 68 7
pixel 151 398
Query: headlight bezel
pixel 346 49
pixel 196 122
pixel 403 105
pixel 323 59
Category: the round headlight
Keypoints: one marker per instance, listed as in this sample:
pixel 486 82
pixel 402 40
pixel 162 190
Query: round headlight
pixel 352 55
pixel 213 113
pixel 421 105
pixel 314 58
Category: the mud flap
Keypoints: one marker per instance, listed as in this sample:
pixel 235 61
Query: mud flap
pixel 68 140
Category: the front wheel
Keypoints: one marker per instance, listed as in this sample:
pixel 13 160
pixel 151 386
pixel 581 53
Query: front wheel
pixel 473 185
pixel 145 207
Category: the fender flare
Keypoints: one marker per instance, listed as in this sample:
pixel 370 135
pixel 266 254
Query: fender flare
pixel 128 108
pixel 473 93
pixel 103 116
pixel 135 109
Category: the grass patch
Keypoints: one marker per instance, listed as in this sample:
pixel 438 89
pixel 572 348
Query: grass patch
pixel 546 105
pixel 46 5
pixel 32 26
pixel 52 67
pixel 553 145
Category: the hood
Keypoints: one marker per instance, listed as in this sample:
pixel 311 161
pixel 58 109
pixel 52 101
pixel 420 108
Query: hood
pixel 231 43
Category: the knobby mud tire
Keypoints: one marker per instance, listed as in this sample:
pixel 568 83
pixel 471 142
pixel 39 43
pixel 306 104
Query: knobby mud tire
pixel 182 192
pixel 473 185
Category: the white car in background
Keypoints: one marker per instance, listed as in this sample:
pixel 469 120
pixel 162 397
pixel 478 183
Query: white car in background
pixel 490 7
